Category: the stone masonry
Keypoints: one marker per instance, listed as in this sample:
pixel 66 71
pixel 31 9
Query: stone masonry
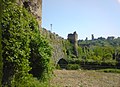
pixel 34 7
pixel 57 42
pixel 73 40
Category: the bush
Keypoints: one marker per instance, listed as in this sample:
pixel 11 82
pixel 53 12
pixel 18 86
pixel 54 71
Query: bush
pixel 73 67
pixel 15 42
pixel 25 52
pixel 30 82
pixel 58 66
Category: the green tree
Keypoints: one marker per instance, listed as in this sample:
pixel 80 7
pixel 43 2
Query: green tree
pixel 107 53
pixel 80 53
pixel 98 51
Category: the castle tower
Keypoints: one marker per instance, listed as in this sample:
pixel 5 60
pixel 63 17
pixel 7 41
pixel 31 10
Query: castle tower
pixel 92 37
pixel 73 38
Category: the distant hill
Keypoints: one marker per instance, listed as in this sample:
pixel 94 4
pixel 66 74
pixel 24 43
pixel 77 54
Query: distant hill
pixel 110 41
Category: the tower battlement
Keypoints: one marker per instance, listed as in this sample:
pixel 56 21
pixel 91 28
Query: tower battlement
pixel 73 37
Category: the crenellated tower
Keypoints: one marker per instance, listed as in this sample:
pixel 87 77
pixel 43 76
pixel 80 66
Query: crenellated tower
pixel 73 38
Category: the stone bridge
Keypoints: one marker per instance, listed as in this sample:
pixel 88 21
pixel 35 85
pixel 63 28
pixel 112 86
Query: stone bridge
pixel 57 43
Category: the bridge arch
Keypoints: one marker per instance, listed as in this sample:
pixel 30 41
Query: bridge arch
pixel 62 63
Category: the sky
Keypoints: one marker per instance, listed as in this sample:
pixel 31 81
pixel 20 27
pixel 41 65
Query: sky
pixel 86 17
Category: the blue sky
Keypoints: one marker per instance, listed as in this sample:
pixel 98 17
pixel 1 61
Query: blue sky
pixel 86 17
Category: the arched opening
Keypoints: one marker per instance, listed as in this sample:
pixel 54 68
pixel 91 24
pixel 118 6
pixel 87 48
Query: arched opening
pixel 62 63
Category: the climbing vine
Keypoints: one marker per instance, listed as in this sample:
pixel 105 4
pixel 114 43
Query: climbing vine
pixel 1 64
pixel 25 52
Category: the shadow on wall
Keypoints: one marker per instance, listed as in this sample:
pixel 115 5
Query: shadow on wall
pixel 62 63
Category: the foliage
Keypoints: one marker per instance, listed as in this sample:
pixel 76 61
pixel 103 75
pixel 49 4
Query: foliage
pixel 99 54
pixel 22 47
pixel 80 52
pixel 102 51
pixel 29 82
pixel 40 56
pixel 69 49
pixel 73 66
pixel 16 39
pixel 101 42
pixel 58 66
pixel 1 64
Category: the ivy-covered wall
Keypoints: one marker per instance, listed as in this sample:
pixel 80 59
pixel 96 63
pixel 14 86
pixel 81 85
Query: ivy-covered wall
pixel 34 7
pixel 1 64
pixel 57 43
pixel 26 53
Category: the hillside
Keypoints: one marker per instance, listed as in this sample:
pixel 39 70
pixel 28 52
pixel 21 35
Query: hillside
pixel 101 41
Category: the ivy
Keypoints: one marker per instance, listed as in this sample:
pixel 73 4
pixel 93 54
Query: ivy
pixel 1 64
pixel 25 52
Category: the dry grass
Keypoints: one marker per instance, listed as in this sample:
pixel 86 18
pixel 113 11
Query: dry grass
pixel 80 78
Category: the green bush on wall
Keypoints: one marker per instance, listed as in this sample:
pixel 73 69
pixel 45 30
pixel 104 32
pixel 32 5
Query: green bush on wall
pixel 22 47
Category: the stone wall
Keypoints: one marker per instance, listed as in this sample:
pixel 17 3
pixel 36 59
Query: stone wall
pixel 34 7
pixel 57 43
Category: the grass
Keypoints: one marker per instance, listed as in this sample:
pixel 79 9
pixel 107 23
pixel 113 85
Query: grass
pixel 110 70
pixel 85 78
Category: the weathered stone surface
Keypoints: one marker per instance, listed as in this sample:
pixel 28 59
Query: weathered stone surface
pixel 73 39
pixel 34 7
pixel 57 44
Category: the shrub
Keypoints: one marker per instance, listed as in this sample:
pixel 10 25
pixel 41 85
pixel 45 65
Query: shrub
pixel 58 66
pixel 73 66
pixel 25 52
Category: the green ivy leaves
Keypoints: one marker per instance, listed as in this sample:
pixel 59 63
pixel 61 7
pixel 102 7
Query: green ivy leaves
pixel 25 51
